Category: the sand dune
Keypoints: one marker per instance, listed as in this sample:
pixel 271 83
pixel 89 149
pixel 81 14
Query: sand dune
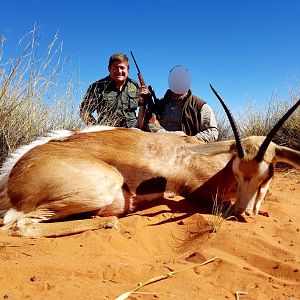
pixel 260 258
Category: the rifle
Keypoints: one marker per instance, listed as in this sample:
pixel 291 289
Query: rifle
pixel 151 100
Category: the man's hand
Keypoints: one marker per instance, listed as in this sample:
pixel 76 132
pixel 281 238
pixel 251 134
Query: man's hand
pixel 153 120
pixel 143 94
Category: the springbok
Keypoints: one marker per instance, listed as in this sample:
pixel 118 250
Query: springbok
pixel 110 171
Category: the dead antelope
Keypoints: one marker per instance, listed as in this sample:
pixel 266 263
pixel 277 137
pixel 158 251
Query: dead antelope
pixel 111 171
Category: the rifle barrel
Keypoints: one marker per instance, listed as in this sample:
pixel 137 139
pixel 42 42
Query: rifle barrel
pixel 137 67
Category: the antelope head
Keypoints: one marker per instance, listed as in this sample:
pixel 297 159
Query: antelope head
pixel 253 160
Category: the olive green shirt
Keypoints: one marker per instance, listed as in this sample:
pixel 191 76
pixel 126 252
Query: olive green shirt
pixel 113 107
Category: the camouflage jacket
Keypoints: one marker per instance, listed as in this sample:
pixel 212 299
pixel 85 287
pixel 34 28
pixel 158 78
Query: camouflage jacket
pixel 113 107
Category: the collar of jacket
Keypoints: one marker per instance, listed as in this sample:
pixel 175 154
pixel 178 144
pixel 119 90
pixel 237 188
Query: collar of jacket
pixel 169 94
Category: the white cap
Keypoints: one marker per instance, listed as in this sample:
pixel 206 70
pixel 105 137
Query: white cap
pixel 179 80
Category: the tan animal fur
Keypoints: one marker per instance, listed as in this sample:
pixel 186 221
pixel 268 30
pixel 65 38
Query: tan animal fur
pixel 115 171
pixel 111 171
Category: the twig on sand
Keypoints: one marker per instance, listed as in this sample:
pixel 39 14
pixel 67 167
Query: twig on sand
pixel 288 173
pixel 185 254
pixel 161 277
pixel 2 245
pixel 238 294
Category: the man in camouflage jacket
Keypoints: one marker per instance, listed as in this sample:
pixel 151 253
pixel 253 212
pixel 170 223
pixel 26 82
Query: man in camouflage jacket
pixel 113 98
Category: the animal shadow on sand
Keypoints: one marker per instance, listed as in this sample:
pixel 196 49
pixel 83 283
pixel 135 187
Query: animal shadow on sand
pixel 185 208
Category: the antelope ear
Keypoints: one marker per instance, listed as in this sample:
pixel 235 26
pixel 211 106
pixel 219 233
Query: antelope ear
pixel 287 155
pixel 214 148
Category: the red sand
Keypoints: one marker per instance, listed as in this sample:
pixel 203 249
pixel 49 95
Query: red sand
pixel 260 257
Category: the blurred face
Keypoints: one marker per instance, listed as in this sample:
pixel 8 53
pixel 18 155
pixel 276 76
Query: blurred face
pixel 118 71
pixel 179 80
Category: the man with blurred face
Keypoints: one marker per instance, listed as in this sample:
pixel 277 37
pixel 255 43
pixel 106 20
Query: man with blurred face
pixel 183 113
pixel 114 99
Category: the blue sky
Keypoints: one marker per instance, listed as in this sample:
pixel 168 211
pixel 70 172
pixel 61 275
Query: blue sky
pixel 248 50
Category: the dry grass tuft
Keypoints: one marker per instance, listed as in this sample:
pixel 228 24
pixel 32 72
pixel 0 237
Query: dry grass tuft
pixel 254 120
pixel 36 95
pixel 220 211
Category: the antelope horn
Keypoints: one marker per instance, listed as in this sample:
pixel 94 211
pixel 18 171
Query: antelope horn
pixel 238 139
pixel 263 148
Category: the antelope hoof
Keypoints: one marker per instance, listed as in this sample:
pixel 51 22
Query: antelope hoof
pixel 241 218
pixel 264 213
